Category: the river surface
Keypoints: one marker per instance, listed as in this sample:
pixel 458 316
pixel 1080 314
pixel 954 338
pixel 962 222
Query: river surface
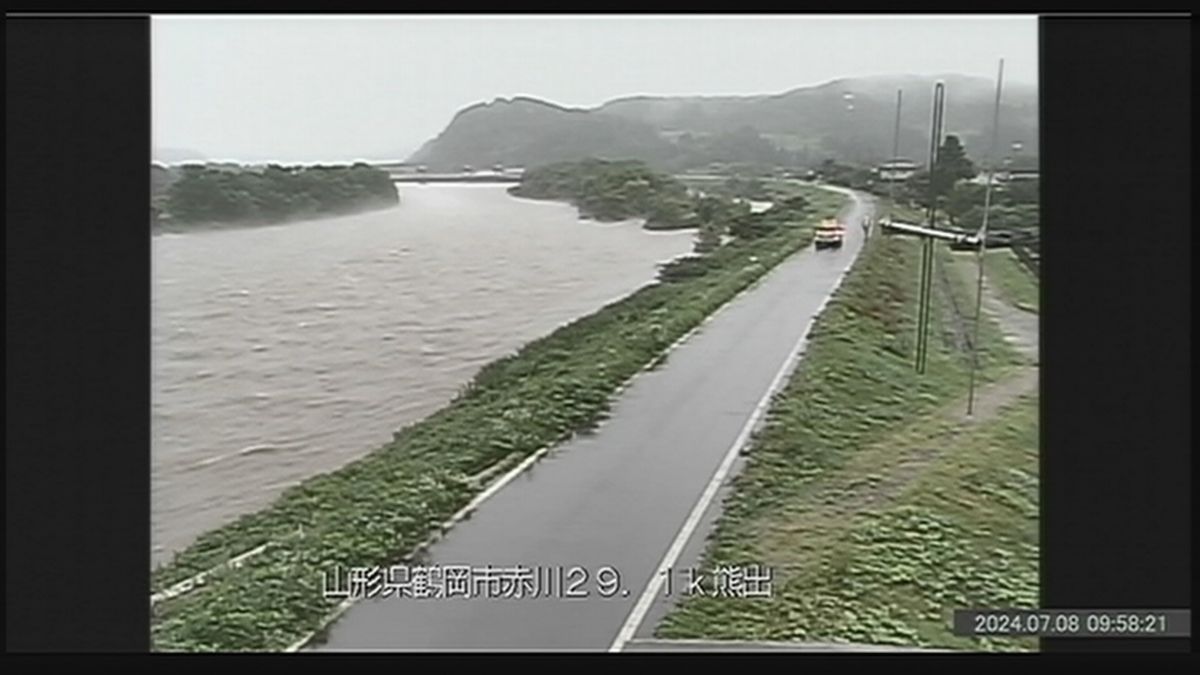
pixel 286 351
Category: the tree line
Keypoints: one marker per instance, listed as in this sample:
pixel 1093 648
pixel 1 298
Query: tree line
pixel 276 193
pixel 613 190
pixel 949 186
pixel 619 190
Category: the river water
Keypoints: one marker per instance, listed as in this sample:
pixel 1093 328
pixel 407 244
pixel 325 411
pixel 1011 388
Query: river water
pixel 286 351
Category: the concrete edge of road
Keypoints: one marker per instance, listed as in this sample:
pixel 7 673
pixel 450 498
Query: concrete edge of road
pixel 520 468
pixel 637 615
pixel 191 583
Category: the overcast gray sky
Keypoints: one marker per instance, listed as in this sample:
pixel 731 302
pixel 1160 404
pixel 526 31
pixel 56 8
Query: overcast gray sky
pixel 300 88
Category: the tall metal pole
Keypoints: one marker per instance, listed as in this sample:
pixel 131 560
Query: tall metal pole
pixel 924 261
pixel 987 204
pixel 929 243
pixel 927 257
pixel 895 154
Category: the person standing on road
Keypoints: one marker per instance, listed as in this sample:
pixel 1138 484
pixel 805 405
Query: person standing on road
pixel 866 226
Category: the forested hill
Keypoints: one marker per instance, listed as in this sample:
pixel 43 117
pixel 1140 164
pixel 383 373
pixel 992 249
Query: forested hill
pixel 848 120
pixel 529 132
pixel 207 195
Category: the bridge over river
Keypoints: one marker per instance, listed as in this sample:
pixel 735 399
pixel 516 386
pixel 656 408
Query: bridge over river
pixel 475 177
pixel 405 172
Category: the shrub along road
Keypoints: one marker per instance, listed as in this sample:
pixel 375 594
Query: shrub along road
pixel 385 508
pixel 618 497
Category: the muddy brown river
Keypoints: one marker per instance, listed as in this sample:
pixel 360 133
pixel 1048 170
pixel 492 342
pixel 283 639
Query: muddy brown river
pixel 286 351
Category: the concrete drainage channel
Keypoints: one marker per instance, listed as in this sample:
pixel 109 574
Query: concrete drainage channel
pixel 192 583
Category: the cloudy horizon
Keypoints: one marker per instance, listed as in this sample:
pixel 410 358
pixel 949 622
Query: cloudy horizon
pixel 331 88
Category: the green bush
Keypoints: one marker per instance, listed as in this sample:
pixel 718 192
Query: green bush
pixel 377 509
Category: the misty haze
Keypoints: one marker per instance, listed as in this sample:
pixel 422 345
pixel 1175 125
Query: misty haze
pixel 662 327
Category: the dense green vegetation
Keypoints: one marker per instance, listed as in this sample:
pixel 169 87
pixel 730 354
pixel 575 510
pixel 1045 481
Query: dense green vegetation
pixel 203 195
pixel 876 509
pixel 1014 206
pixel 846 175
pixel 528 132
pixel 376 510
pixel 742 145
pixel 610 191
pixel 944 186
pixel 751 187
pixel 1005 215
pixel 960 202
pixel 1013 281
pixel 607 190
pixel 740 185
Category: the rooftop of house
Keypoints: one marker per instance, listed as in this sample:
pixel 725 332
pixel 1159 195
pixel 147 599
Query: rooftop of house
pixel 898 163
pixel 1021 163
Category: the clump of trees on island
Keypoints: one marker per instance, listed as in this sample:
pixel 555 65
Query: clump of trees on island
pixel 202 194
pixel 620 190
pixel 613 190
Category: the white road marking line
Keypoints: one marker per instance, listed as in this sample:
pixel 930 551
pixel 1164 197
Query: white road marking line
pixel 519 469
pixel 192 582
pixel 346 604
pixel 638 614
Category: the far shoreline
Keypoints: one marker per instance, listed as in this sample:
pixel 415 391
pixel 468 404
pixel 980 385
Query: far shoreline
pixel 157 228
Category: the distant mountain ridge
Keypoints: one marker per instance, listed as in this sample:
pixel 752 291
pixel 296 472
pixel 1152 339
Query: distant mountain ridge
pixel 524 131
pixel 849 119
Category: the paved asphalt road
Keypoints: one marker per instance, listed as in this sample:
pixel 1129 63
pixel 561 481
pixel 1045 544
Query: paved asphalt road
pixel 619 497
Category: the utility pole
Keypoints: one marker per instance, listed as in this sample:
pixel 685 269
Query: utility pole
pixel 895 155
pixel 987 203
pixel 927 255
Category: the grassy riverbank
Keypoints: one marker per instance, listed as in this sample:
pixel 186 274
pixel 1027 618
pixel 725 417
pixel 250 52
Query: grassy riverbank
pixel 878 508
pixel 1014 283
pixel 376 510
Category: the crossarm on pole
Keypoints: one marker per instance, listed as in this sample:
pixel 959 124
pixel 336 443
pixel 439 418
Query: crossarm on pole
pixel 936 233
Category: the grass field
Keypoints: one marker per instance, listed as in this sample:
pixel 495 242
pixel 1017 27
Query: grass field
pixel 877 506
pixel 1014 283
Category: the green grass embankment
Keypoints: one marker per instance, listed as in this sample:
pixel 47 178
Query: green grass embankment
pixel 376 510
pixel 878 509
pixel 1013 282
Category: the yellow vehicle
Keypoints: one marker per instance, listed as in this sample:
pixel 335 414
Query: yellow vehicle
pixel 829 234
